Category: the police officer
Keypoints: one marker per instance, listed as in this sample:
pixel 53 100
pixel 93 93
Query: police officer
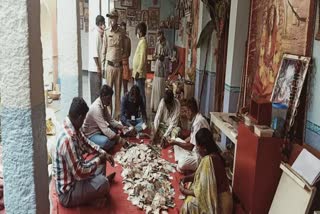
pixel 112 55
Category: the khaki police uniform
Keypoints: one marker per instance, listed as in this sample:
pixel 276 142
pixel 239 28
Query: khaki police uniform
pixel 112 55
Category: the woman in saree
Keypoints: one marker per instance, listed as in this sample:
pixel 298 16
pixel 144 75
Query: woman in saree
pixel 209 192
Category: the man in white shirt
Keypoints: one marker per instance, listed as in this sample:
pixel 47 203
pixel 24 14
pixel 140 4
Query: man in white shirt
pixel 185 150
pixel 95 75
pixel 167 117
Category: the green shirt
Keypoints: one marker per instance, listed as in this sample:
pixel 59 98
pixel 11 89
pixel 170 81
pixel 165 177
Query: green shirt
pixel 140 59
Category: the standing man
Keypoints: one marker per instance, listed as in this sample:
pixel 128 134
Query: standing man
pixel 96 76
pixel 112 55
pixel 162 54
pixel 140 60
pixel 125 62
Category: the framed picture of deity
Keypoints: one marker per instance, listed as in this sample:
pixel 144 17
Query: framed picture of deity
pixel 154 19
pixel 276 27
pixel 145 16
pixel 135 4
pixel 81 23
pixel 127 3
pixel 86 24
pixel 289 83
pixel 81 6
pixel 86 12
pixel 152 39
pixel 138 15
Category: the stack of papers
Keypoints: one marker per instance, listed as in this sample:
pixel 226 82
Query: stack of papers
pixel 308 167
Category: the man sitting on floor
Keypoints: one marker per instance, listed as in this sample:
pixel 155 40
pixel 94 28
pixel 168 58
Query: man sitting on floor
pixel 167 119
pixel 184 150
pixel 133 110
pixel 79 181
pixel 99 126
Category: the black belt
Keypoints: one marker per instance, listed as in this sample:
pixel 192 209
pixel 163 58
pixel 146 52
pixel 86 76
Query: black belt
pixel 115 64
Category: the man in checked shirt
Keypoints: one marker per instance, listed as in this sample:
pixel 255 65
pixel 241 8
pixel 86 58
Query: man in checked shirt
pixel 80 181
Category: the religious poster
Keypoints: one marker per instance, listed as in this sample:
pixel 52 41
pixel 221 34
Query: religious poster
pixel 86 24
pixel 154 18
pixel 180 33
pixel 137 4
pixel 145 16
pixel 138 15
pixel 81 6
pixel 290 78
pixel 81 23
pixel 289 84
pixel 152 39
pixel 276 27
pixel 127 3
pixel 122 15
pixel 86 12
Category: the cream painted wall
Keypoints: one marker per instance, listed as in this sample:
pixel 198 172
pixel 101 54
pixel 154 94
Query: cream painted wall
pixel 48 40
pixel 85 49
pixel 46 15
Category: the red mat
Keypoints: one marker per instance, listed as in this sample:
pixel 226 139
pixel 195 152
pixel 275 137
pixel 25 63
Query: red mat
pixel 118 203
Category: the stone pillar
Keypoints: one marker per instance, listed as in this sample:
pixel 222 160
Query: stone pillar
pixel 69 52
pixel 26 188
pixel 105 7
pixel 238 30
pixel 205 77
pixel 54 37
